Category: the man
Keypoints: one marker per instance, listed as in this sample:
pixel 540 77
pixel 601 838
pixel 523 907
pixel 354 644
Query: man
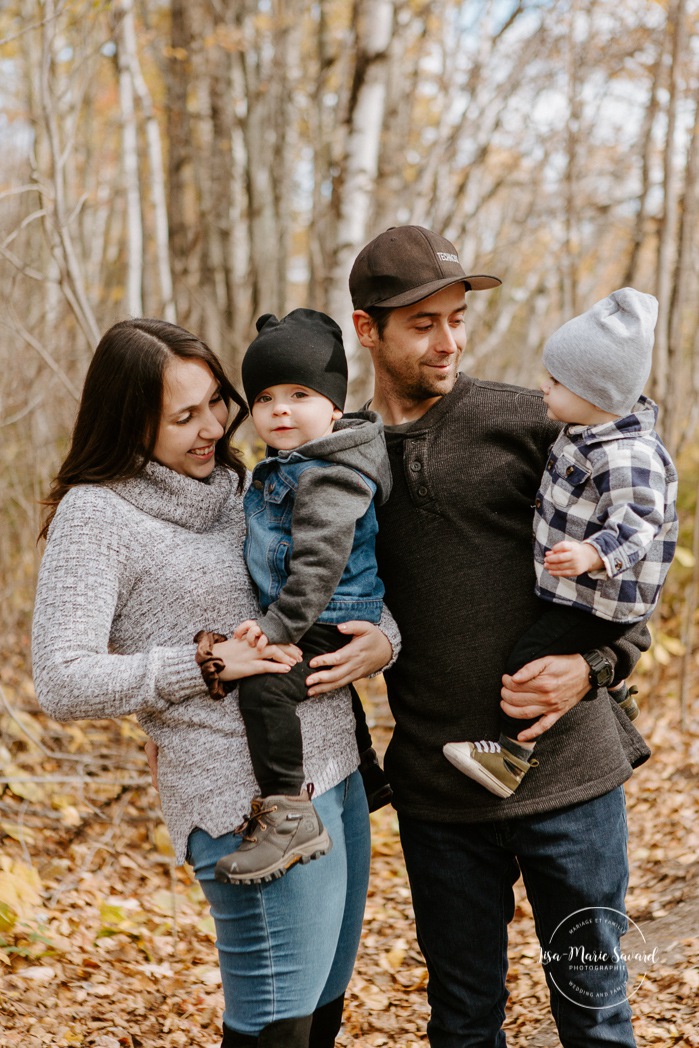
pixel 455 555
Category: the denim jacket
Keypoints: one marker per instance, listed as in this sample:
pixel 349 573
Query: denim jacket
pixel 311 529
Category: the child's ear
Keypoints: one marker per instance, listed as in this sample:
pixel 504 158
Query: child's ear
pixel 336 414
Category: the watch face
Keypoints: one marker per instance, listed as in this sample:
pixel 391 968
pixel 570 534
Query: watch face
pixel 601 672
pixel 605 675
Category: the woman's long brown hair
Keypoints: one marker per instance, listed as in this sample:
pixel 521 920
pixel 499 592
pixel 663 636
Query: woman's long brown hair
pixel 117 423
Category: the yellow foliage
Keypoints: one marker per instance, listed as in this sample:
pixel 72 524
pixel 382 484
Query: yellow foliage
pixel 8 918
pixel 28 791
pixel 122 916
pixel 20 888
pixel 673 645
pixel 17 832
pixel 684 557
pixel 161 840
pixel 131 729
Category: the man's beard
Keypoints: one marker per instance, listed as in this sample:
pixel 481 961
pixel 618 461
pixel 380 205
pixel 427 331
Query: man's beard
pixel 413 383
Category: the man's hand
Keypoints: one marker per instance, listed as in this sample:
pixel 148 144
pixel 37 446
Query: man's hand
pixel 572 558
pixel 546 688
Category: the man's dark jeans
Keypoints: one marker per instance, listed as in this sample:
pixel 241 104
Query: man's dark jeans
pixel 461 876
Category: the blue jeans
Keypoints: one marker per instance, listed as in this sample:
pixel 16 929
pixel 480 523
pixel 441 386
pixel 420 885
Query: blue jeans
pixel 462 875
pixel 289 946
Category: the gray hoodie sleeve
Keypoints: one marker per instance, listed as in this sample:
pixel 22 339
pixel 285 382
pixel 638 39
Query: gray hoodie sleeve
pixel 329 502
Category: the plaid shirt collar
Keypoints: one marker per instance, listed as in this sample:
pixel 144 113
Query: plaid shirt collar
pixel 640 421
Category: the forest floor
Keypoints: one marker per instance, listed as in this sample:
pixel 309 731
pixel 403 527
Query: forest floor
pixel 105 944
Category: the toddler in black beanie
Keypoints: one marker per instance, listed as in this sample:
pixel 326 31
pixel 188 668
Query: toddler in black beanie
pixel 311 527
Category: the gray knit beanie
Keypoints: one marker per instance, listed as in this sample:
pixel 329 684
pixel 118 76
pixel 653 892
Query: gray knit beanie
pixel 604 355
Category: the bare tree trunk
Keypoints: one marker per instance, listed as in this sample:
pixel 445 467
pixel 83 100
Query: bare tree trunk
pixel 688 625
pixel 374 22
pixel 217 275
pixel 335 58
pixel 240 221
pixel 646 139
pixel 569 265
pixel 155 160
pixel 678 406
pixel 668 228
pixel 134 220
pixel 179 138
pixel 288 16
pixel 54 199
pixel 259 144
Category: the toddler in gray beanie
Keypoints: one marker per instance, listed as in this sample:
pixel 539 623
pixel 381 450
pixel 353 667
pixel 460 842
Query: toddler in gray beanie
pixel 605 355
pixel 605 521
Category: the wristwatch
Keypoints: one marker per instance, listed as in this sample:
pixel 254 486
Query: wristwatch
pixel 601 672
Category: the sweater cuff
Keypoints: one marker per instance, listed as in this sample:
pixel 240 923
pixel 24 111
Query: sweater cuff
pixel 387 625
pixel 178 676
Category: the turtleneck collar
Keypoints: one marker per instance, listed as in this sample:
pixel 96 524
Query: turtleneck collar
pixel 166 495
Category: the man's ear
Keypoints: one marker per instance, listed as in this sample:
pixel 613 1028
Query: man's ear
pixel 365 328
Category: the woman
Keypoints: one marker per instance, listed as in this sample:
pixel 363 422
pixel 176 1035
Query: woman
pixel 145 530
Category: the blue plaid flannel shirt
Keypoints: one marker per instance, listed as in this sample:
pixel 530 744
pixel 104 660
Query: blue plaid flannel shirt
pixel 615 486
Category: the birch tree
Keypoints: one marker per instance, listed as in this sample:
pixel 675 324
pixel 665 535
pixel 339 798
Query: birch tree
pixel 668 226
pixel 131 66
pixel 373 21
pixel 132 186
pixel 60 129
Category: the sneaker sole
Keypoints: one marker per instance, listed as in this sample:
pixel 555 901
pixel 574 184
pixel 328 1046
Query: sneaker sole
pixel 313 849
pixel 475 771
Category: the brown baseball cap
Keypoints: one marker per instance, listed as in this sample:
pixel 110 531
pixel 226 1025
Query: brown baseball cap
pixel 406 264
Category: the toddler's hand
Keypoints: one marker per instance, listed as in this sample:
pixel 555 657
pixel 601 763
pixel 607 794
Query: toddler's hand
pixel 251 632
pixel 572 558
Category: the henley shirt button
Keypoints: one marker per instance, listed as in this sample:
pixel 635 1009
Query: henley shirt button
pixel 549 465
pixel 416 466
pixel 569 470
pixel 422 491
pixel 537 503
pixel 258 484
pixel 618 565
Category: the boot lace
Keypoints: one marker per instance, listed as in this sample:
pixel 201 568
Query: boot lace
pixel 255 818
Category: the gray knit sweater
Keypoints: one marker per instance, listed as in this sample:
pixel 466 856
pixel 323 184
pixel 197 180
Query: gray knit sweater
pixel 131 572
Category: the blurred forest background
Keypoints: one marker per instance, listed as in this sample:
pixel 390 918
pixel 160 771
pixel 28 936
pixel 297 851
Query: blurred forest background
pixel 208 160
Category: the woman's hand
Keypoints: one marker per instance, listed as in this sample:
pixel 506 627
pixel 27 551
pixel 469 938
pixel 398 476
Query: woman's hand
pixel 152 758
pixel 545 688
pixel 367 652
pixel 241 660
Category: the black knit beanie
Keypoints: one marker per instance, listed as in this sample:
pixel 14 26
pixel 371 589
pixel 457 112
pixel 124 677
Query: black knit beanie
pixel 304 348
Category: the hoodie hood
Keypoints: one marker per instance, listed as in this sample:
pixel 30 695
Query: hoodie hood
pixel 357 441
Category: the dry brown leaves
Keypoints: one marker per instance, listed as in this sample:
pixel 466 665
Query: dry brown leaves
pixel 105 944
